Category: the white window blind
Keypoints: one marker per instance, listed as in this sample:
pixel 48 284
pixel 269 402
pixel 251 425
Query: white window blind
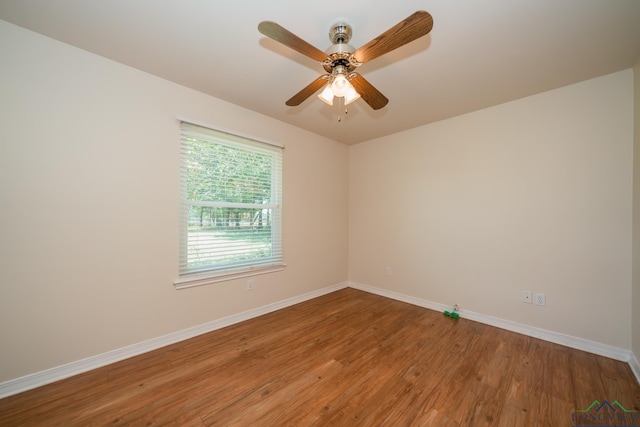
pixel 230 210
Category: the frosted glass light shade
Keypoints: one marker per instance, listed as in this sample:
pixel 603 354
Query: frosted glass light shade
pixel 327 95
pixel 351 95
pixel 340 85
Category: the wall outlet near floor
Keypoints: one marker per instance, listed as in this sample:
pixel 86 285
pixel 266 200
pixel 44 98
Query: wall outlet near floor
pixel 525 297
pixel 389 271
pixel 250 284
pixel 540 300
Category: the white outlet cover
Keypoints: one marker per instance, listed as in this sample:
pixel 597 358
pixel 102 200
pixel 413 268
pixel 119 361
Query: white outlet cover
pixel 526 297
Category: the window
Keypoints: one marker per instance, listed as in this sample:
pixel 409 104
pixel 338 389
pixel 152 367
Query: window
pixel 230 206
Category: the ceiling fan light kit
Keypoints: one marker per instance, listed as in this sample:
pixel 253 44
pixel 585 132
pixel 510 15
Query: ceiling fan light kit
pixel 341 59
pixel 339 86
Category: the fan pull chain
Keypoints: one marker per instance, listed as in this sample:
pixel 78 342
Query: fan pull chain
pixel 346 110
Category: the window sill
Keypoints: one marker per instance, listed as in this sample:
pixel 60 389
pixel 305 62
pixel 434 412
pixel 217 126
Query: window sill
pixel 191 281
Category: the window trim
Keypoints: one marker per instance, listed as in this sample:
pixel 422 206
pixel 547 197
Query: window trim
pixel 199 278
pixel 229 131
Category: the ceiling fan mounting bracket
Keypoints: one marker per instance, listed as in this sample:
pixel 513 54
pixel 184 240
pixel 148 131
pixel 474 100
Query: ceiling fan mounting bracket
pixel 340 33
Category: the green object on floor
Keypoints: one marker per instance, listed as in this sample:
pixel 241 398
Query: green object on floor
pixel 454 313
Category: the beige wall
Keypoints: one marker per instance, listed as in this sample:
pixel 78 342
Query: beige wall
pixel 530 195
pixel 533 195
pixel 636 213
pixel 89 207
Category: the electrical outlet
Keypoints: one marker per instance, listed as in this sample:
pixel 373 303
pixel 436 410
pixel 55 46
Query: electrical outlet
pixel 389 271
pixel 250 284
pixel 540 300
pixel 525 297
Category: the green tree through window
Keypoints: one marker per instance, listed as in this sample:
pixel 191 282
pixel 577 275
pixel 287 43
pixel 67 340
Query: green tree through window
pixel 230 203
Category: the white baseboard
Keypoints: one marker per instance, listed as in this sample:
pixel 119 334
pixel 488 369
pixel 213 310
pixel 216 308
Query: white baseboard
pixel 635 366
pixel 41 378
pixel 543 334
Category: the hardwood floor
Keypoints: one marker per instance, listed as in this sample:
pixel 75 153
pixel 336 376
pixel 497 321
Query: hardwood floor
pixel 347 358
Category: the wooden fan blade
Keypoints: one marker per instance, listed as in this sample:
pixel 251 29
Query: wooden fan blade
pixel 287 38
pixel 309 90
pixel 415 26
pixel 368 92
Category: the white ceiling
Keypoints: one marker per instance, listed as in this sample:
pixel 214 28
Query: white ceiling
pixel 479 53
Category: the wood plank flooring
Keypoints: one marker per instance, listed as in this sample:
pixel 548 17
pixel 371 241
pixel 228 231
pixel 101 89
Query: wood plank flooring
pixel 347 358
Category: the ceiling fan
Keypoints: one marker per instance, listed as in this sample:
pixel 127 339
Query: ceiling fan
pixel 341 59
